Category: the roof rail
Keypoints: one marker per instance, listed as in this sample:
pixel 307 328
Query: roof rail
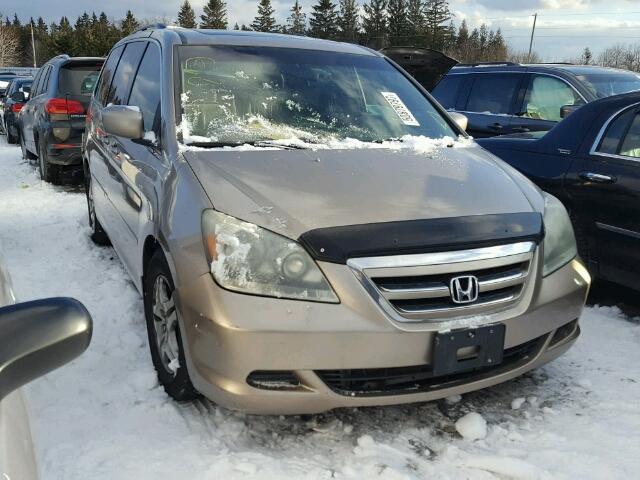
pixel 62 55
pixel 152 26
pixel 486 64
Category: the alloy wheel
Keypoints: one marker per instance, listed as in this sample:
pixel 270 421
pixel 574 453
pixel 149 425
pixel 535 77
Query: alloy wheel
pixel 165 320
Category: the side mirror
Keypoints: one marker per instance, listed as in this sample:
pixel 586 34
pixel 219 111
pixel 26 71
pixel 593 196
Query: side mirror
pixel 567 110
pixel 18 97
pixel 38 337
pixel 461 120
pixel 123 121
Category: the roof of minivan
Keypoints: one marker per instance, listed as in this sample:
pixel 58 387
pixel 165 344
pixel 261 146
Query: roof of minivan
pixel 564 67
pixel 250 38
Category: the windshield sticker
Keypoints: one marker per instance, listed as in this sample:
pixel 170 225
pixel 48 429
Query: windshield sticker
pixel 400 108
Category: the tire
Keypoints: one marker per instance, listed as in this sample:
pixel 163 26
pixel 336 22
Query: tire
pixel 26 154
pixel 161 313
pixel 48 172
pixel 98 235
pixel 11 139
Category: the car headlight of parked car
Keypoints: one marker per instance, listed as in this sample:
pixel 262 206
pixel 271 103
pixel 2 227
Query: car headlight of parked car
pixel 247 258
pixel 559 241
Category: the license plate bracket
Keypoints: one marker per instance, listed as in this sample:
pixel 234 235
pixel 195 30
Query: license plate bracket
pixel 469 349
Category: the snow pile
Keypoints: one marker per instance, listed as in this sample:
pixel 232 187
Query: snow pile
pixel 104 417
pixel 472 426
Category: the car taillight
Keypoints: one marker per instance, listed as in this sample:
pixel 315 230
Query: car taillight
pixel 63 106
pixel 16 107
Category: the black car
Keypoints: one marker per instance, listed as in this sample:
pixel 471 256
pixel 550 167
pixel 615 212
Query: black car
pixel 508 98
pixel 590 161
pixel 16 95
pixel 52 121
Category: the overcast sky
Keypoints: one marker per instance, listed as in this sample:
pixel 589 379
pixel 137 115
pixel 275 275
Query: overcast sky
pixel 565 27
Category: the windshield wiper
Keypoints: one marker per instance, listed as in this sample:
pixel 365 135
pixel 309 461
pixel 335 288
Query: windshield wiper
pixel 258 143
pixel 276 144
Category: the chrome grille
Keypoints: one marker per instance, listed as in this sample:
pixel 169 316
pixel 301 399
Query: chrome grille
pixel 418 287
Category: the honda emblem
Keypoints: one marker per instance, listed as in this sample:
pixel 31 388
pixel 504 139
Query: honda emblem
pixel 464 289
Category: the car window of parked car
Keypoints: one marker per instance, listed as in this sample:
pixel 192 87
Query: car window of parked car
pixel 236 95
pixel 493 93
pixel 127 67
pixel 546 95
pixel 631 144
pixel 47 81
pixel 145 92
pixel 104 83
pixel 38 81
pixel 611 82
pixel 78 78
pixel 614 134
pixel 446 92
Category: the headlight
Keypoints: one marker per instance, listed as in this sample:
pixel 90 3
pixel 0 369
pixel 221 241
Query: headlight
pixel 559 241
pixel 247 258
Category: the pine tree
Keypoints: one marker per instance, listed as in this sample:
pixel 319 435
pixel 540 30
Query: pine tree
pixel 397 14
pixel 129 24
pixel 462 42
pixel 324 20
pixel 265 21
pixel 83 38
pixel 297 21
pixel 437 15
pixel 587 57
pixel 186 16
pixel 348 21
pixel 215 15
pixel 415 20
pixel 374 23
pixel 62 37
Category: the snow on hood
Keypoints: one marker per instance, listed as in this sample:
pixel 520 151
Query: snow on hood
pixel 294 191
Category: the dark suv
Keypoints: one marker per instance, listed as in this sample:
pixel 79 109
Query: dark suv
pixel 16 96
pixel 52 121
pixel 511 98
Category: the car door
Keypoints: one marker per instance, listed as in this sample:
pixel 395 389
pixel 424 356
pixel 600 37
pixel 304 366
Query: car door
pixel 139 162
pixel 26 115
pixel 609 180
pixel 106 160
pixel 491 103
pixel 544 96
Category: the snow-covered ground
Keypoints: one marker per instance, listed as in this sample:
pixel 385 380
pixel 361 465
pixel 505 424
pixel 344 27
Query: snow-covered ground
pixel 105 417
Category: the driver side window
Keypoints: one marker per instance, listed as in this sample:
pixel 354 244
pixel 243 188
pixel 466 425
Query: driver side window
pixel 546 96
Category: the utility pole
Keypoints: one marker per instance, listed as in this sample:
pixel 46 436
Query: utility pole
pixel 533 31
pixel 33 47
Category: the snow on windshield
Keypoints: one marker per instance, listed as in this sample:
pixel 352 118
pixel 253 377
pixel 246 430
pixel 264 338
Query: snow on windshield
pixel 232 96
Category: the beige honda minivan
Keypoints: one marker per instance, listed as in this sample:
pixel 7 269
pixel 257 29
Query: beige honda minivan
pixel 309 229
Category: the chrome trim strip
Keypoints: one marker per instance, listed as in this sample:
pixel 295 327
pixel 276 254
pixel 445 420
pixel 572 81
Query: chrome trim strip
pixel 622 231
pixel 409 293
pixel 503 282
pixel 442 258
pixel 602 131
pixel 460 308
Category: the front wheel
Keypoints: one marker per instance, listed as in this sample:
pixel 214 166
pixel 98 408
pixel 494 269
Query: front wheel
pixel 165 341
pixel 98 235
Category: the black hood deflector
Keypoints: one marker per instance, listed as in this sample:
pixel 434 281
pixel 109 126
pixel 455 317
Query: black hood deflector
pixel 337 244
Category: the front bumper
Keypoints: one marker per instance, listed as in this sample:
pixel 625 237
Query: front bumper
pixel 228 336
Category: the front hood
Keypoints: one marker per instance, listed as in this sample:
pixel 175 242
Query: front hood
pixel 294 191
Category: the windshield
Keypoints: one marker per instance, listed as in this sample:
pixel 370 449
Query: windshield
pixel 611 83
pixel 236 95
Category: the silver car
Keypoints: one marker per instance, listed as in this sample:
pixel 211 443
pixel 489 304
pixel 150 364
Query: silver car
pixel 35 338
pixel 309 229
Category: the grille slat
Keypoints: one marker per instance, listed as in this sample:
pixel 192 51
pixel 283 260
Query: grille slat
pixel 417 287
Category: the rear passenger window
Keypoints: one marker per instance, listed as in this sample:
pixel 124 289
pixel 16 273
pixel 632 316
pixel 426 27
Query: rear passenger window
pixel 102 89
pixel 122 78
pixel 446 92
pixel 617 129
pixel 145 92
pixel 493 93
pixel 546 96
pixel 631 143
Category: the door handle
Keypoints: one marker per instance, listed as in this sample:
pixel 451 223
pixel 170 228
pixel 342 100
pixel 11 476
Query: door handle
pixel 496 126
pixel 597 177
pixel 521 129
